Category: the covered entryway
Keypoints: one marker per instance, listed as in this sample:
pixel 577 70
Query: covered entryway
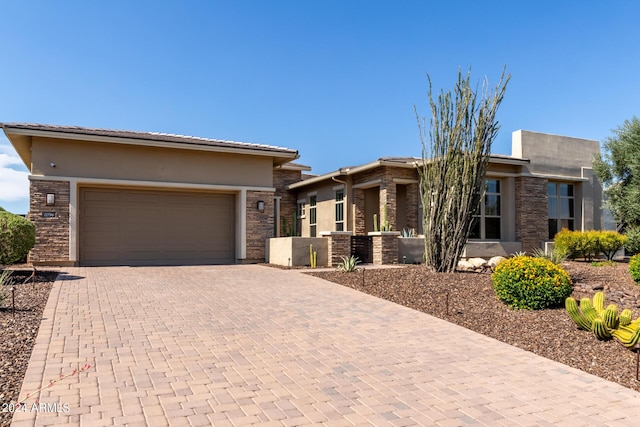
pixel 154 227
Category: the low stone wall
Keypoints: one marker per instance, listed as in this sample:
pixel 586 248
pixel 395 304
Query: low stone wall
pixel 294 251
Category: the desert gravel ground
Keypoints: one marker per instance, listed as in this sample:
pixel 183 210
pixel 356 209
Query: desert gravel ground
pixel 18 333
pixel 472 303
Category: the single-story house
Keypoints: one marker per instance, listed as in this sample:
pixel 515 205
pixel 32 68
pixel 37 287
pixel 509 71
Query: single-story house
pixel 110 197
pixel 545 185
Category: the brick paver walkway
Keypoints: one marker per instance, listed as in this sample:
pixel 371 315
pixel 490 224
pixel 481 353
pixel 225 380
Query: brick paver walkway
pixel 241 345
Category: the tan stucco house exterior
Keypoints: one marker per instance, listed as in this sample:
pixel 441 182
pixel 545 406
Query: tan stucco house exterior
pixel 109 197
pixel 545 185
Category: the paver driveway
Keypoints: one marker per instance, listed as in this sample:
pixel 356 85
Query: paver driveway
pixel 237 345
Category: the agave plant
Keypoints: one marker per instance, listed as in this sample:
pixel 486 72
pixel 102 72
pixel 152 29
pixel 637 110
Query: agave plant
pixel 348 264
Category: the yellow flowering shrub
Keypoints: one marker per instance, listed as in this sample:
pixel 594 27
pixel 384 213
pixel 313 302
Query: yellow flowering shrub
pixel 524 282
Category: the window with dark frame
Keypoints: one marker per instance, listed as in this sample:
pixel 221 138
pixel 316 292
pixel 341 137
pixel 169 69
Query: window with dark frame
pixel 312 216
pixel 339 210
pixel 561 207
pixel 487 222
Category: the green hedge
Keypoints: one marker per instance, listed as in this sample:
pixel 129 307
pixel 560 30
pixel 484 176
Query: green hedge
pixel 17 237
pixel 524 282
pixel 633 240
pixel 589 244
pixel 634 268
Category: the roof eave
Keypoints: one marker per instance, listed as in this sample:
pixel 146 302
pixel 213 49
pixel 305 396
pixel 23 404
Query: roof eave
pixel 286 155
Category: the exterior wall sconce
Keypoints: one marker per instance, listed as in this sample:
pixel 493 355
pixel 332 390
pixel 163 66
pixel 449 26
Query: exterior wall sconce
pixel 51 199
pixel 260 206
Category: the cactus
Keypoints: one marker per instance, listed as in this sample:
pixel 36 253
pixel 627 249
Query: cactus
pixel 627 336
pixel 313 257
pixel 375 222
pixel 586 306
pixel 598 302
pixel 610 316
pixel 600 330
pixel 384 226
pixel 576 315
pixel 625 317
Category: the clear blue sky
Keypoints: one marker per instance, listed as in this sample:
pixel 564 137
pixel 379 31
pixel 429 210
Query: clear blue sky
pixel 336 80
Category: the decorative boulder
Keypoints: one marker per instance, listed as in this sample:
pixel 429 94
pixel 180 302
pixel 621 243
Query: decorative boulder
pixel 465 265
pixel 477 263
pixel 493 262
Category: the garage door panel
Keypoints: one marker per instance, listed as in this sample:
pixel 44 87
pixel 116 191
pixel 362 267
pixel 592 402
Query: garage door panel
pixel 139 227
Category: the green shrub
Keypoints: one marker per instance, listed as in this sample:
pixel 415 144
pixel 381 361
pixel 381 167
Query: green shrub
pixel 567 242
pixel 556 256
pixel 610 242
pixel 633 240
pixel 634 267
pixel 17 237
pixel 589 244
pixel 529 283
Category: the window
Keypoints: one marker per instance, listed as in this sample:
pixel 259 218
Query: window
pixel 487 222
pixel 339 210
pixel 312 216
pixel 561 210
pixel 301 209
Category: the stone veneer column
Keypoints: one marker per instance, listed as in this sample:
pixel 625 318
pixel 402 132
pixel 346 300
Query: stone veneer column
pixel 385 247
pixel 358 214
pixel 51 222
pixel 260 225
pixel 388 200
pixel 532 227
pixel 413 196
pixel 339 245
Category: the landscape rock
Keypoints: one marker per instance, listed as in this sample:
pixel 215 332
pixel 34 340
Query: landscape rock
pixel 465 265
pixel 477 263
pixel 493 262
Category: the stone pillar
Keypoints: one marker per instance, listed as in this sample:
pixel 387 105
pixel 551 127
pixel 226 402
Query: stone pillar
pixel 51 222
pixel 385 247
pixel 532 227
pixel 339 246
pixel 260 225
pixel 413 196
pixel 388 202
pixel 358 214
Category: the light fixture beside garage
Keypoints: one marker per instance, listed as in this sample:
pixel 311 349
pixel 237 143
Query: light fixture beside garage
pixel 51 199
pixel 260 206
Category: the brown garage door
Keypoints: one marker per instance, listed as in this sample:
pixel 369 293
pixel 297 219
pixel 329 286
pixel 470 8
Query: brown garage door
pixel 148 227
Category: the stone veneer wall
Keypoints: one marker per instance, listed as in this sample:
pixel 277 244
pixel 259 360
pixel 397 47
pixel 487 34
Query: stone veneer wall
pixel 288 201
pixel 52 234
pixel 387 196
pixel 385 247
pixel 339 245
pixel 260 225
pixel 358 211
pixel 413 201
pixel 532 226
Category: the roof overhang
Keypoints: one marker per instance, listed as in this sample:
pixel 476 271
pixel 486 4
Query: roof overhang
pixel 20 136
pixel 405 163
